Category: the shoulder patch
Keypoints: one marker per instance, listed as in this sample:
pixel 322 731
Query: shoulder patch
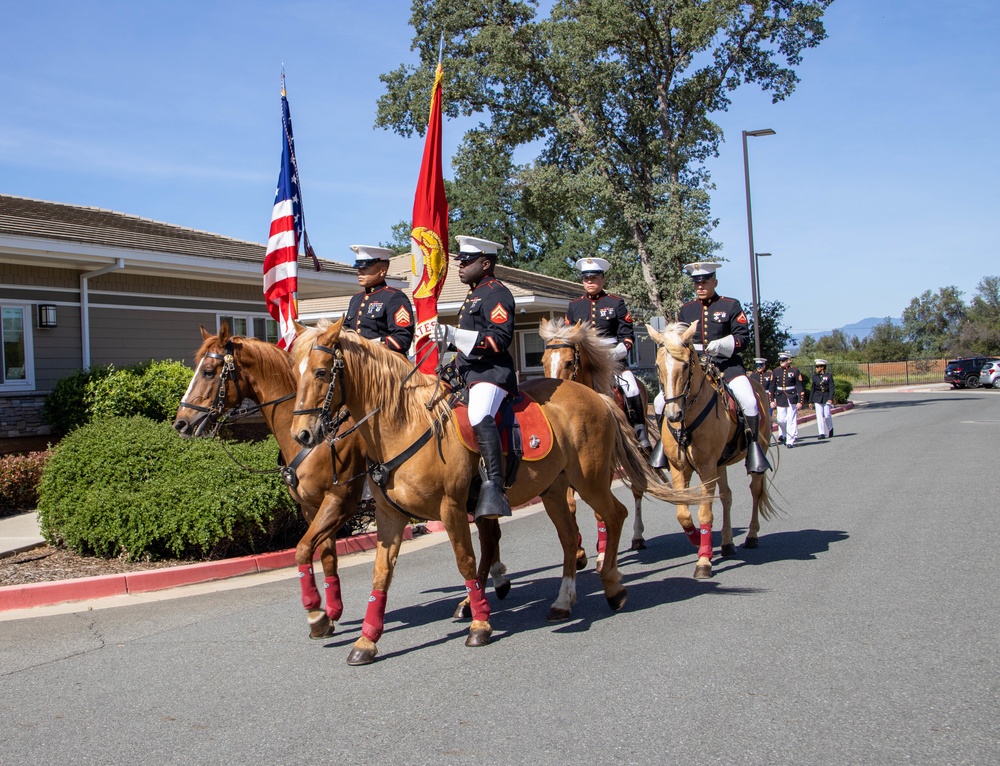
pixel 499 314
pixel 402 317
pixel 628 315
pixel 742 318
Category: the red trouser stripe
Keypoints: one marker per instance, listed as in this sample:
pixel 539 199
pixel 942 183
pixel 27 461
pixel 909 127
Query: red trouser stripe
pixel 334 603
pixel 705 548
pixel 374 622
pixel 477 601
pixel 310 594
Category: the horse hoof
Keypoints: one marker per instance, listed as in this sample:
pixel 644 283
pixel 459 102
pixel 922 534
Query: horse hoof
pixel 361 656
pixel 581 559
pixel 618 600
pixel 638 544
pixel 478 637
pixel 703 572
pixel 750 542
pixel 322 628
pixel 599 564
pixel 557 614
pixel 502 590
pixel 463 612
pixel 728 549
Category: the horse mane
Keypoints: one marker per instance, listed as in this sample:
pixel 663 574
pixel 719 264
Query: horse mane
pixel 270 360
pixel 591 346
pixel 382 371
pixel 673 342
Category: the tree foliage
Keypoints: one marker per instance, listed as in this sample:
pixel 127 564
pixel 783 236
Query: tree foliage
pixel 774 336
pixel 933 321
pixel 614 98
pixel 886 343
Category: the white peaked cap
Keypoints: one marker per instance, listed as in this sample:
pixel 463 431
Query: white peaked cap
pixel 784 355
pixel 477 245
pixel 759 360
pixel 372 253
pixel 589 265
pixel 702 269
pixel 820 362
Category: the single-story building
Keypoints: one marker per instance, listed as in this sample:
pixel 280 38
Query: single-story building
pixel 82 286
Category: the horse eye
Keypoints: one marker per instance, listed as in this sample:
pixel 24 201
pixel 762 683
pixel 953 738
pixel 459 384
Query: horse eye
pixel 208 374
pixel 320 372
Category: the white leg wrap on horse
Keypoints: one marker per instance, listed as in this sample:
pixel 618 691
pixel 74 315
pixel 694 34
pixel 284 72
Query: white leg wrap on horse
pixel 743 392
pixel 567 594
pixel 484 401
pixel 626 379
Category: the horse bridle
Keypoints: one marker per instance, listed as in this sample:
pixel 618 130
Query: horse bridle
pixel 214 413
pixel 576 355
pixel 682 434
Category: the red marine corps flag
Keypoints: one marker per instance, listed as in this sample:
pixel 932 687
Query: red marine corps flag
pixel 429 238
pixel 281 268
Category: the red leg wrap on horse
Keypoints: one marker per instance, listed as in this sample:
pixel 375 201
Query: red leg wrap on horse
pixel 602 537
pixel 334 603
pixel 374 622
pixel 694 536
pixel 477 601
pixel 310 594
pixel 705 548
pixel 579 539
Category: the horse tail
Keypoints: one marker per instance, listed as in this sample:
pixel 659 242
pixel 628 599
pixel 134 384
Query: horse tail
pixel 638 473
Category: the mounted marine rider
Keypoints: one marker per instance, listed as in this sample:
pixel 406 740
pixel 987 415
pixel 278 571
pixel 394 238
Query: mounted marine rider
pixel 379 312
pixel 722 331
pixel 483 336
pixel 612 320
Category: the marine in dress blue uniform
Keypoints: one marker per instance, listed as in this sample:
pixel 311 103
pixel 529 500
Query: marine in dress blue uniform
pixel 723 331
pixel 612 320
pixel 765 377
pixel 483 336
pixel 789 396
pixel 821 398
pixel 379 312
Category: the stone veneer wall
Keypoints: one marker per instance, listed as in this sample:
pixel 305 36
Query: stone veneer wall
pixel 21 415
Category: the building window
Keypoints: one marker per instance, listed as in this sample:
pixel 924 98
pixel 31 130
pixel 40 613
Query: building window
pixel 262 328
pixel 531 347
pixel 15 361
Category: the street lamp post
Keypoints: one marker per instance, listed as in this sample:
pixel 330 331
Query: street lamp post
pixel 757 257
pixel 753 256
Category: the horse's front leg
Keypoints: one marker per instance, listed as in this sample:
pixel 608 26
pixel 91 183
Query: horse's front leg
pixel 323 525
pixel 456 523
pixel 581 554
pixel 490 565
pixel 557 509
pixel 703 569
pixel 726 498
pixel 638 541
pixel 681 478
pixel 390 526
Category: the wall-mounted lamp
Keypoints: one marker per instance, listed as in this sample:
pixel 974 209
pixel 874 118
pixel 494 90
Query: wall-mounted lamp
pixel 47 316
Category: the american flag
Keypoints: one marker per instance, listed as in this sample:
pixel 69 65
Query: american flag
pixel 281 282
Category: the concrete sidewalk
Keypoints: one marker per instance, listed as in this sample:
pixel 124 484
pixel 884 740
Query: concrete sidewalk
pixel 19 533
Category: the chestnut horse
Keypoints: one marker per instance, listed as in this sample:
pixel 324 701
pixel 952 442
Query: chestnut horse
pixel 576 352
pixel 328 479
pixel 697 427
pixel 423 468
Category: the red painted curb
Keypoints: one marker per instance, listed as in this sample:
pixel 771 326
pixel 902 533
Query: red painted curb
pixel 171 577
pixel 46 593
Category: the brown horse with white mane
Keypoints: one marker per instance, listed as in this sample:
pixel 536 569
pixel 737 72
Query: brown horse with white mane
pixel 701 434
pixel 577 352
pixel 424 469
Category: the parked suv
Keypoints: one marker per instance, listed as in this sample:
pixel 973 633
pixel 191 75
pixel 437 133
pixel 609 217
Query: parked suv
pixel 964 373
pixel 990 375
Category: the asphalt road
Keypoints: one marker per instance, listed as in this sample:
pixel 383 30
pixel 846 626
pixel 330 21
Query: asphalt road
pixel 862 631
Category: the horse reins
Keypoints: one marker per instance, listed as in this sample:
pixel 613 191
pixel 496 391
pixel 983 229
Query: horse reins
pixel 682 435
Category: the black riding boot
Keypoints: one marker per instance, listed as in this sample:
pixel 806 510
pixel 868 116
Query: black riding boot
pixel 656 458
pixel 637 418
pixel 756 461
pixel 492 503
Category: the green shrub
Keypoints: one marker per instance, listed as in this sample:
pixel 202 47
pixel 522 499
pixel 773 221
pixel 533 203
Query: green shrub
pixel 131 488
pixel 151 389
pixel 65 407
pixel 842 389
pixel 19 477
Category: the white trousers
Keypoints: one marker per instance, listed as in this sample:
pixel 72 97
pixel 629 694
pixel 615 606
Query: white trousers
pixel 659 403
pixel 743 391
pixel 484 401
pixel 626 379
pixel 788 423
pixel 824 418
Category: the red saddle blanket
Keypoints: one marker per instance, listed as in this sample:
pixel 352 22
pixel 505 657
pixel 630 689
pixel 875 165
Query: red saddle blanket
pixel 536 433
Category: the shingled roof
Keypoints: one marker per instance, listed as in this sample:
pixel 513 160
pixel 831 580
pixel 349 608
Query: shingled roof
pixel 523 285
pixel 20 216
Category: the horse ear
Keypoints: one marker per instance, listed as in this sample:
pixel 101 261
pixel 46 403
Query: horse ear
pixel 656 336
pixel 299 327
pixel 224 332
pixel 332 333
pixel 205 334
pixel 690 331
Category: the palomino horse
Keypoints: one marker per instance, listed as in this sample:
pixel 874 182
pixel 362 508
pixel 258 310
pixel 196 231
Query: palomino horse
pixel 697 428
pixel 575 352
pixel 328 479
pixel 425 470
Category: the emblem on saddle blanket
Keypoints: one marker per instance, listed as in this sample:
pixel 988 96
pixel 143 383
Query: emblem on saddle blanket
pixel 536 433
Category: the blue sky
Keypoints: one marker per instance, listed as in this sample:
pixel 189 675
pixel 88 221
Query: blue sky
pixel 880 183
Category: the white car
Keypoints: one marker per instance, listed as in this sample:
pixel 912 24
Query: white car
pixel 990 375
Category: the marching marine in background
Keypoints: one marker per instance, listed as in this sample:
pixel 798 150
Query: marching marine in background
pixel 483 336
pixel 379 312
pixel 789 396
pixel 821 398
pixel 722 332
pixel 610 317
pixel 765 377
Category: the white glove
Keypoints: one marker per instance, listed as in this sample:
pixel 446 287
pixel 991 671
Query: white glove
pixel 723 347
pixel 619 352
pixel 445 333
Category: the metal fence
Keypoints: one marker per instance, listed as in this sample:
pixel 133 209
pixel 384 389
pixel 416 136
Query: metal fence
pixel 883 374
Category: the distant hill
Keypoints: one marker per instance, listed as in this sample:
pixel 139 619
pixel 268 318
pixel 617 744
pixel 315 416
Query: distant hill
pixel 861 329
